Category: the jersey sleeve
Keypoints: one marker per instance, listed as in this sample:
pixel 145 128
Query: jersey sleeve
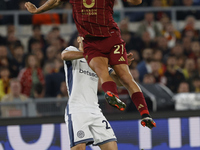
pixel 71 48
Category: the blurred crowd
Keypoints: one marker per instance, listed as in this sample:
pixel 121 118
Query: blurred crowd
pixel 161 54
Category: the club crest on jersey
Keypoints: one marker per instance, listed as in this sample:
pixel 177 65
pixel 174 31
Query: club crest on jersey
pixel 80 134
pixel 88 3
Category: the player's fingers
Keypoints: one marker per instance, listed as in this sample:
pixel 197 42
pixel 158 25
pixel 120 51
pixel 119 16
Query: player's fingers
pixel 129 55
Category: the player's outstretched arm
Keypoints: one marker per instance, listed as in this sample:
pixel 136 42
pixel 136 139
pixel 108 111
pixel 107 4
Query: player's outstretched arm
pixel 71 55
pixel 50 4
pixel 135 2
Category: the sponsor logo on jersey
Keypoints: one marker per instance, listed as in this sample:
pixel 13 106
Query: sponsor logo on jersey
pixel 88 73
pixel 121 59
pixel 80 134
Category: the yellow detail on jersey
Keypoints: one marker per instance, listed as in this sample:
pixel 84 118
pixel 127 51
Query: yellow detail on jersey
pixel 121 59
pixel 88 5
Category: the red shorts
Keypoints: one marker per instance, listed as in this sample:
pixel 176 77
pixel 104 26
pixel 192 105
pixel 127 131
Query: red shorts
pixel 112 47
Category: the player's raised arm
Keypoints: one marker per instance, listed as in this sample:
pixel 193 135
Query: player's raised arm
pixel 135 2
pixel 71 55
pixel 50 4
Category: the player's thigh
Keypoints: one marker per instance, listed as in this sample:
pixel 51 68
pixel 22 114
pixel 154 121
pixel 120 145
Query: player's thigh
pixel 109 146
pixel 101 130
pixel 123 72
pixel 78 128
pixel 81 146
pixel 99 65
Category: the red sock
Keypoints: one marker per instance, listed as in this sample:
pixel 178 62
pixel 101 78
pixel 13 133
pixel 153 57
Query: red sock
pixel 140 103
pixel 110 86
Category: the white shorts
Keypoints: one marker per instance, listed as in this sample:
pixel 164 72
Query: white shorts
pixel 89 128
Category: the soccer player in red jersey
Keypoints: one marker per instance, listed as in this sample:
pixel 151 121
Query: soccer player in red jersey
pixel 103 46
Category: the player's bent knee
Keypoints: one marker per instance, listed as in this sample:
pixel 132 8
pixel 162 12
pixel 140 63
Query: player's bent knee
pixel 81 146
pixel 109 146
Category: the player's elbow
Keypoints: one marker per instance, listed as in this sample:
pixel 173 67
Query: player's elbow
pixel 135 2
pixel 63 56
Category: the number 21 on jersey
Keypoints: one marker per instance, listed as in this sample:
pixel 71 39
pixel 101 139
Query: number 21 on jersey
pixel 117 50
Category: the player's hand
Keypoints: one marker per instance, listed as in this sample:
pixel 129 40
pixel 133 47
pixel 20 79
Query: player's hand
pixel 31 7
pixel 130 58
pixel 148 122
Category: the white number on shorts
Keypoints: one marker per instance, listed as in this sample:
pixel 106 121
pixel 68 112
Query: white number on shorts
pixel 117 49
pixel 107 127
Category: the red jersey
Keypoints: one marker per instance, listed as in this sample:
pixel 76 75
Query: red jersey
pixel 94 17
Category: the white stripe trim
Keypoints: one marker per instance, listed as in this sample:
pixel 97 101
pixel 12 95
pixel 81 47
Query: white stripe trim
pixel 194 131
pixel 145 141
pixel 174 132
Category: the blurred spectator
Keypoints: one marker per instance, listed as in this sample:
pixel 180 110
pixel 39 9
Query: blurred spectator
pixel 63 90
pixel 149 79
pixel 58 41
pixel 162 45
pixel 157 70
pixel 177 50
pixel 173 76
pixel 15 95
pixel 3 52
pixel 18 60
pixel 146 41
pixel 128 36
pixel 181 15
pixel 144 66
pixel 183 88
pixel 40 57
pixel 37 36
pixel 51 53
pixel 2 39
pixel 171 35
pixel 186 43
pixel 39 91
pixel 189 69
pixel 24 19
pixel 195 50
pixel 190 30
pixel 31 76
pixel 53 81
pixel 4 81
pixel 11 39
pixel 48 67
pixel 35 46
pixel 135 74
pixel 181 61
pixel 161 3
pixel 67 6
pixel 45 19
pixel 196 84
pixel 149 25
pixel 197 73
pixel 157 55
pixel 136 59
